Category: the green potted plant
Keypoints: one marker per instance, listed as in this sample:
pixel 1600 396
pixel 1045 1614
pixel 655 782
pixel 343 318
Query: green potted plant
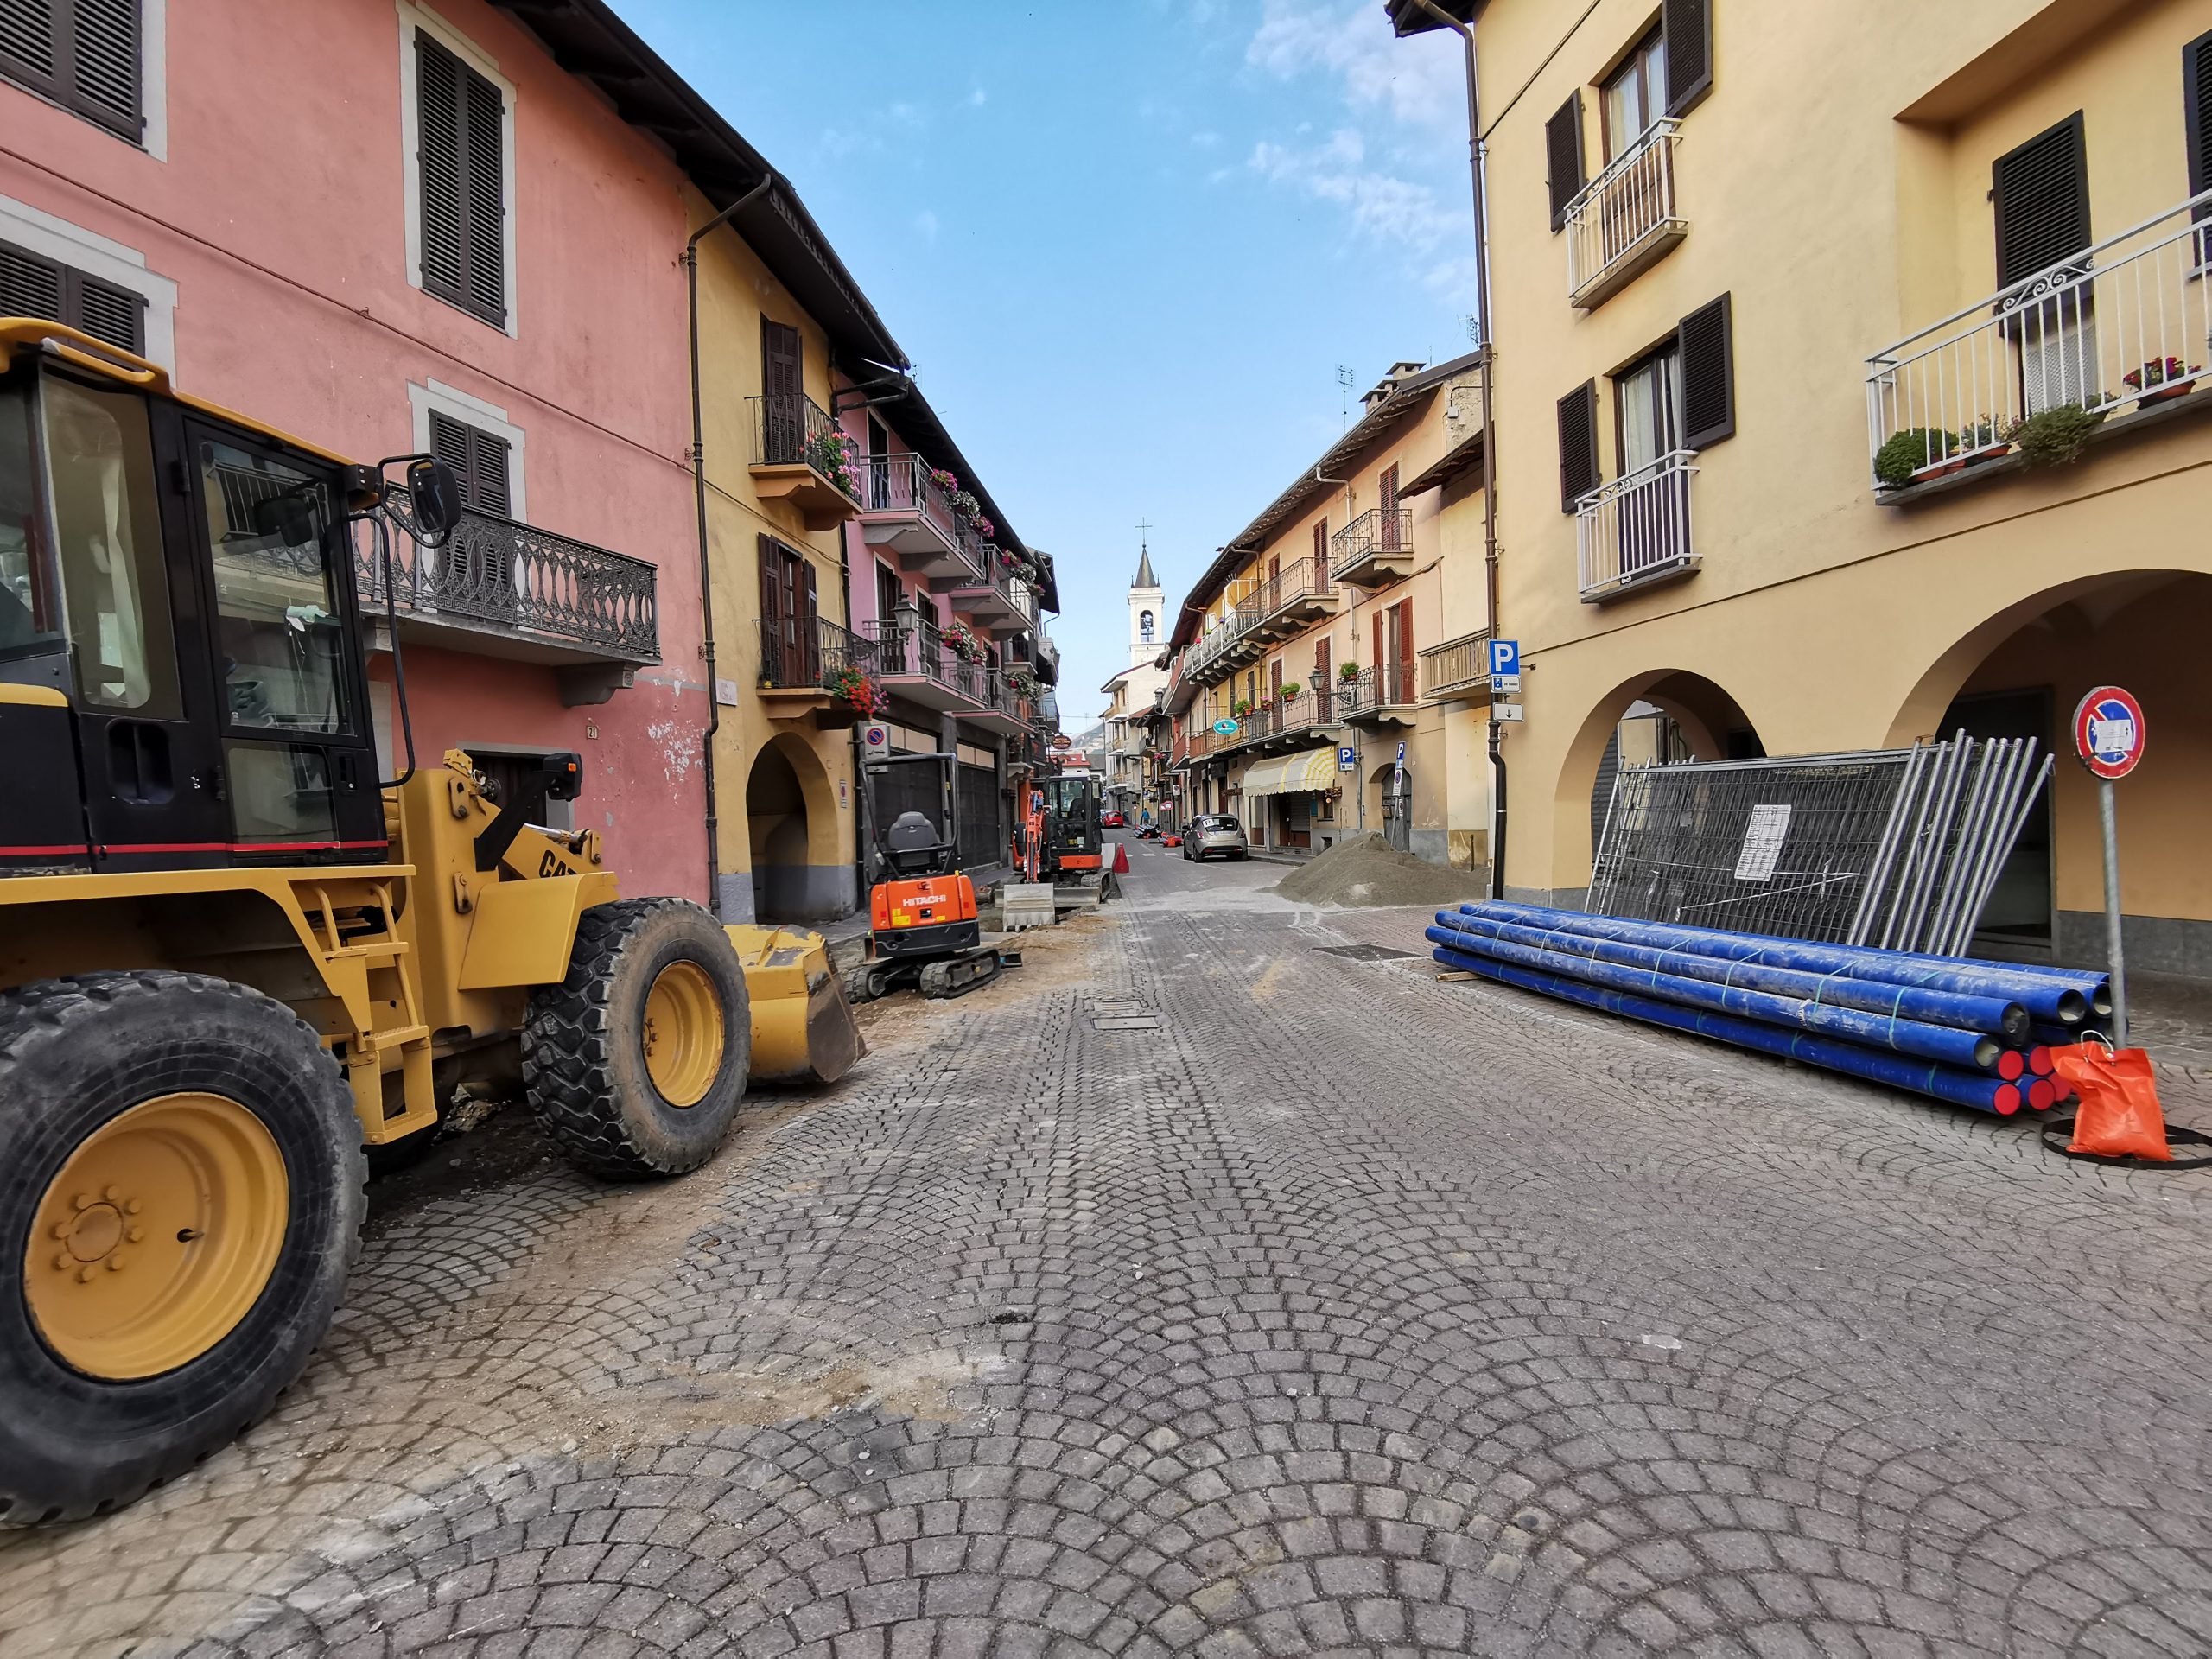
pixel 1348 672
pixel 855 697
pixel 1240 709
pixel 2057 435
pixel 1980 440
pixel 1915 455
pixel 832 454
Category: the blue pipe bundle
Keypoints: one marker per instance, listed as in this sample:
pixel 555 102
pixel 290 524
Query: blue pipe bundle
pixel 1959 1030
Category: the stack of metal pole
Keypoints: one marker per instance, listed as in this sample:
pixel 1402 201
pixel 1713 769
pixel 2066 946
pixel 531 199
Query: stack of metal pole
pixel 1976 1034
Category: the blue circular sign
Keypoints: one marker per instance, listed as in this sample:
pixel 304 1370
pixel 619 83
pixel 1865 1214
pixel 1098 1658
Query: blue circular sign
pixel 2108 732
pixel 1226 729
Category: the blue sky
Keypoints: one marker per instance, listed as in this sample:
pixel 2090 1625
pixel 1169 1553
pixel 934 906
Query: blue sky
pixel 1126 245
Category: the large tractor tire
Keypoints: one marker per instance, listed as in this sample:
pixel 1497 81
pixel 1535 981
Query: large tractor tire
pixel 636 1062
pixel 181 1179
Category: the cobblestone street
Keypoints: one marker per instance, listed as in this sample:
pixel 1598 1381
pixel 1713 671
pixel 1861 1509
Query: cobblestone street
pixel 1317 1306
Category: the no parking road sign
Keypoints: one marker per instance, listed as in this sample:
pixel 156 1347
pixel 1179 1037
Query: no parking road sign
pixel 2108 732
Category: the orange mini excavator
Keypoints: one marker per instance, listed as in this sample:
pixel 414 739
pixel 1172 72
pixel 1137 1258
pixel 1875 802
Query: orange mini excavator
pixel 923 929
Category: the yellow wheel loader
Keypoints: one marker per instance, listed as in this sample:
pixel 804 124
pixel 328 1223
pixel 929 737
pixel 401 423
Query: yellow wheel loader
pixel 235 966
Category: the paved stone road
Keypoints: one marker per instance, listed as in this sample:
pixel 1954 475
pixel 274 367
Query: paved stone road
pixel 1342 1310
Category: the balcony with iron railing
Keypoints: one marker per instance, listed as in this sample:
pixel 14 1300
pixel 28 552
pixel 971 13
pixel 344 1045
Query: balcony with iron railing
pixel 988 598
pixel 2105 340
pixel 803 457
pixel 1635 530
pixel 802 661
pixel 1008 707
pixel 1625 218
pixel 915 659
pixel 1287 720
pixel 1385 694
pixel 1458 670
pixel 512 590
pixel 1374 549
pixel 906 513
pixel 1294 598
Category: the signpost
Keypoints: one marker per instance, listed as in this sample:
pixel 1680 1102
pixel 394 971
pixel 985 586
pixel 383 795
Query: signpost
pixel 876 740
pixel 1062 740
pixel 1505 672
pixel 1226 727
pixel 2108 736
pixel 1347 760
pixel 1398 773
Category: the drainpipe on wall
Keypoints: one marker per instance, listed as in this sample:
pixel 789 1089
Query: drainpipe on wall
pixel 1490 447
pixel 706 561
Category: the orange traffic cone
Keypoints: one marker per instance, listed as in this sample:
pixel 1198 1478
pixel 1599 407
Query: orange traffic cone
pixel 1120 858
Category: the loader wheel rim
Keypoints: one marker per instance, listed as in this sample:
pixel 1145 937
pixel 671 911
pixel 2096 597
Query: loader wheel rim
pixel 683 1033
pixel 157 1237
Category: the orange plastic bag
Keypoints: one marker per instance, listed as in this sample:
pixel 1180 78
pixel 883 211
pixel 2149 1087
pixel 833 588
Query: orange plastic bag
pixel 2118 1116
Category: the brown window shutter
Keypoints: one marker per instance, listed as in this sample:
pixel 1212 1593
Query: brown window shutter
pixel 1563 150
pixel 84 54
pixel 781 368
pixel 479 460
pixel 1578 444
pixel 460 163
pixel 2196 110
pixel 1688 27
pixel 1706 344
pixel 2042 195
pixel 32 285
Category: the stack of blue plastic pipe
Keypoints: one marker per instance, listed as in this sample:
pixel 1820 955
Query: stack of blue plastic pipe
pixel 1976 1034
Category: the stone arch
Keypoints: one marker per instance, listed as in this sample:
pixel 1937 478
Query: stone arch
pixel 1703 711
pixel 790 810
pixel 2019 671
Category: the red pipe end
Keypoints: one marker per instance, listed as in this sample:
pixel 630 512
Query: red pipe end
pixel 2039 1061
pixel 2041 1095
pixel 2006 1100
pixel 2011 1063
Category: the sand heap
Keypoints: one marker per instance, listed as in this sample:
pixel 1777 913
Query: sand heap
pixel 1367 870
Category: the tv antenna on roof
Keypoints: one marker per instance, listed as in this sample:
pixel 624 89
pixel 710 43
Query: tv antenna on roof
pixel 1344 393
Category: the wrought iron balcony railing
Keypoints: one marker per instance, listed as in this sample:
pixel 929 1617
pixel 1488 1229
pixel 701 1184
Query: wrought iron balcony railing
pixel 912 647
pixel 1456 666
pixel 892 484
pixel 2119 327
pixel 1376 533
pixel 1625 218
pixel 1315 706
pixel 514 577
pixel 809 651
pixel 790 429
pixel 1384 685
pixel 1636 529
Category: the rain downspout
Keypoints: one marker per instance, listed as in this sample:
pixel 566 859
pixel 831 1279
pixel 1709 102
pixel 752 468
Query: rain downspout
pixel 1490 449
pixel 706 561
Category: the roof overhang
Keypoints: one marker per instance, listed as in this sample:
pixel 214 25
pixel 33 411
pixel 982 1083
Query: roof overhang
pixel 1461 458
pixel 1411 17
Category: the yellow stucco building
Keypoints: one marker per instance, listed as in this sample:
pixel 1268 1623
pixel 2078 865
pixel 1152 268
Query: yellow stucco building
pixel 1798 312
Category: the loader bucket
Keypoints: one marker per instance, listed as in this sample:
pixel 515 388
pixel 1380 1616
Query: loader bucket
pixel 803 1028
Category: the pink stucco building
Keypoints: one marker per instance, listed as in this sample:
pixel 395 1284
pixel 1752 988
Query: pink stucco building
pixel 399 228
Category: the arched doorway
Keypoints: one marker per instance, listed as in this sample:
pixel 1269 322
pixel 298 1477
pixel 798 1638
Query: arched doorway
pixel 791 820
pixel 2019 673
pixel 1390 803
pixel 1663 714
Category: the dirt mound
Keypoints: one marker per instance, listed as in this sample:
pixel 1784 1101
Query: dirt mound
pixel 1368 870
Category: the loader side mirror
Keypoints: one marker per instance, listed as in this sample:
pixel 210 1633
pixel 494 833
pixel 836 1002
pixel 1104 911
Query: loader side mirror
pixel 436 494
pixel 287 520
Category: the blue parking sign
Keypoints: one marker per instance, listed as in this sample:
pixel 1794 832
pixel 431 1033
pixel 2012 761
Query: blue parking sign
pixel 1505 655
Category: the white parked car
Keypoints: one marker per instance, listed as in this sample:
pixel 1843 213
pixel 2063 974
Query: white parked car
pixel 1215 832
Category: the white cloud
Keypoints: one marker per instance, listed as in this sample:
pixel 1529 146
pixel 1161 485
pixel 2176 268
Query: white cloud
pixel 977 98
pixel 1383 205
pixel 1417 80
pixel 1205 140
pixel 926 222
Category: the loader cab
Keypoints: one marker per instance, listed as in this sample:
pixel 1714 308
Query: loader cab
pixel 183 681
pixel 1073 840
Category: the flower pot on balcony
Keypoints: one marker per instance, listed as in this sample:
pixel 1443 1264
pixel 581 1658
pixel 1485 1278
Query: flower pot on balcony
pixel 2166 392
pixel 1941 469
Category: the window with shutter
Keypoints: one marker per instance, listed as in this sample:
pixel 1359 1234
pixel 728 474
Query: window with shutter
pixel 462 166
pixel 2196 110
pixel 32 285
pixel 479 459
pixel 1706 350
pixel 1688 27
pixel 1578 444
pixel 83 55
pixel 2042 196
pixel 1563 150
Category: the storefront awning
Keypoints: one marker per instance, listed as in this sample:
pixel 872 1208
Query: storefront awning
pixel 1291 774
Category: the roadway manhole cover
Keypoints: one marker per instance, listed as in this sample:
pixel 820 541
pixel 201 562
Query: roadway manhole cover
pixel 1127 1022
pixel 1365 952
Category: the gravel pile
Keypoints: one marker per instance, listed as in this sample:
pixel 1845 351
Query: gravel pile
pixel 1367 870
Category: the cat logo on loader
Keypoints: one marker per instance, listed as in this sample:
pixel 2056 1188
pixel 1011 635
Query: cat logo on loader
pixel 234 968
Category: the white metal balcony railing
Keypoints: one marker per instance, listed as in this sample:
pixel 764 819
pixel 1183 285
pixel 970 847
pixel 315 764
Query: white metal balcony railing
pixel 1623 216
pixel 2120 326
pixel 1636 528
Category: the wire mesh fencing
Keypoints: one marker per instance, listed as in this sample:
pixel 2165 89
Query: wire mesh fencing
pixel 1898 848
